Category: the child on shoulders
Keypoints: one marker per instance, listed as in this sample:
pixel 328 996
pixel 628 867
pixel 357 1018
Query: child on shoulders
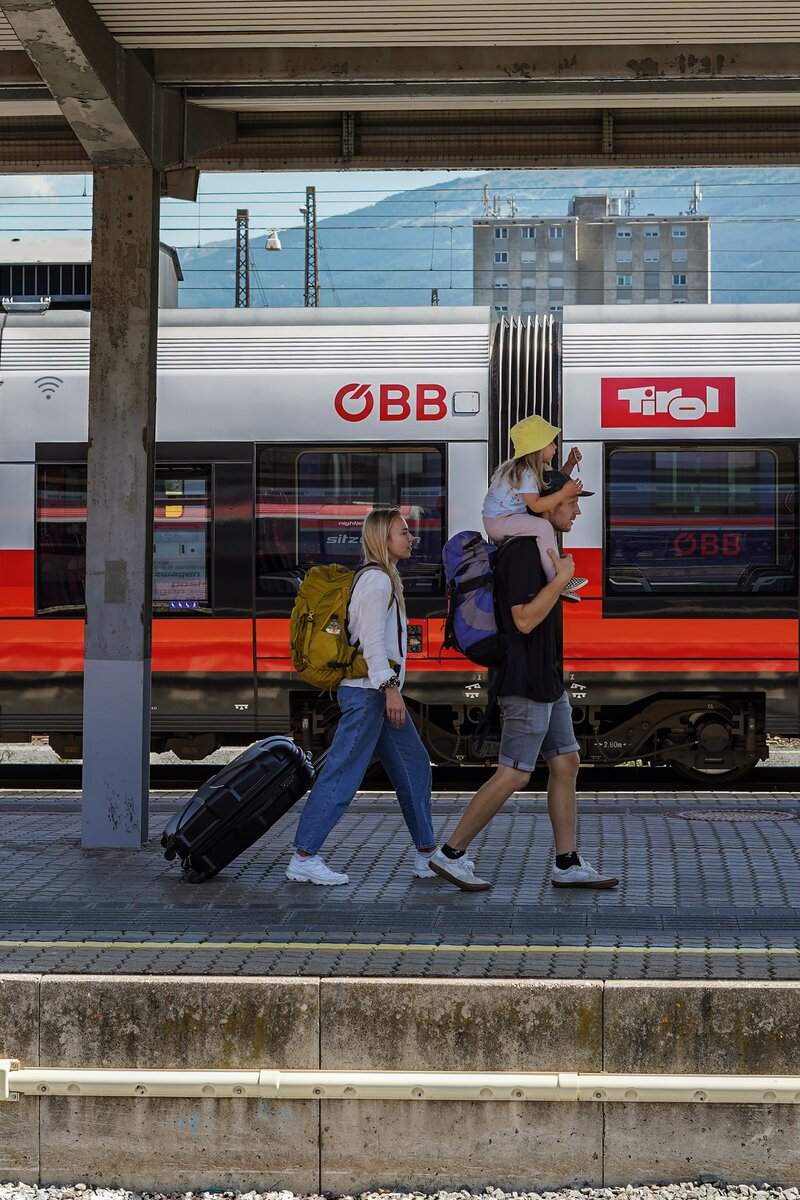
pixel 519 485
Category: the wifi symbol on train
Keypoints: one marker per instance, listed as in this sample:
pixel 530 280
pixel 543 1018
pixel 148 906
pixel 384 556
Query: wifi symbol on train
pixel 48 385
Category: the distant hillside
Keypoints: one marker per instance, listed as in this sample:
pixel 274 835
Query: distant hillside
pixel 396 251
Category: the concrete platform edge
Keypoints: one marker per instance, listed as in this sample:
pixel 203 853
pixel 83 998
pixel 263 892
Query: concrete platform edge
pixel 368 1023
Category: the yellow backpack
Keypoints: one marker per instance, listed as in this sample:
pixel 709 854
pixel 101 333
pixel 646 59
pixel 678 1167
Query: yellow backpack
pixel 318 639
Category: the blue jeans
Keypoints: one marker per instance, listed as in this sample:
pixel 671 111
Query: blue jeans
pixel 362 730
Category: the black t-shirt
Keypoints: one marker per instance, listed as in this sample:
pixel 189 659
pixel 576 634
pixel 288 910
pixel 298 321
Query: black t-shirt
pixel 531 666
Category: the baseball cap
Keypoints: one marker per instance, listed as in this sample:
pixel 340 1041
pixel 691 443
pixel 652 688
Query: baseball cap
pixel 554 482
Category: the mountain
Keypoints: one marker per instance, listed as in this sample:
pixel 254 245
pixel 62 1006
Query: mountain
pixel 397 250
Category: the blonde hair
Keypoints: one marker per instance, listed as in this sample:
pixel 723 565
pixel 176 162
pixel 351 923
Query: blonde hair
pixel 512 470
pixel 374 547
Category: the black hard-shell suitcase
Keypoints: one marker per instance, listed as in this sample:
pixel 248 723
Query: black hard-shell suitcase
pixel 236 806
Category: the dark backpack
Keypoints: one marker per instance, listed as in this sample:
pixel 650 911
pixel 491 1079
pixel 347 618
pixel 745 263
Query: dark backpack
pixel 471 625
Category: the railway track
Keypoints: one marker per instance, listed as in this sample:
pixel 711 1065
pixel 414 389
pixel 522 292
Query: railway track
pixel 189 776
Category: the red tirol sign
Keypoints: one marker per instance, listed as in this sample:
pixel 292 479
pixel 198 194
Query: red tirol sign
pixel 668 403
pixel 393 401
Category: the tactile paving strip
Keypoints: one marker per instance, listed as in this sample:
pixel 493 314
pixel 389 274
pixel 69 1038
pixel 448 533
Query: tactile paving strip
pixel 709 899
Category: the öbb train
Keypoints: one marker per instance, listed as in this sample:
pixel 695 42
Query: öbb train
pixel 277 432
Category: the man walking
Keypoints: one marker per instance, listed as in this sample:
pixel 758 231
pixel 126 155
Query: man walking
pixel 536 714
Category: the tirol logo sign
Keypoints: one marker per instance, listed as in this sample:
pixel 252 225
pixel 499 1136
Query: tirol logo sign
pixel 668 403
pixel 391 401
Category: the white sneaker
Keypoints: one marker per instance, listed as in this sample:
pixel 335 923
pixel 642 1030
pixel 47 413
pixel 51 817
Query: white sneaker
pixel 422 869
pixel 460 871
pixel 582 876
pixel 313 870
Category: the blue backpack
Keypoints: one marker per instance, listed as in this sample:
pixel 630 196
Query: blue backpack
pixel 471 625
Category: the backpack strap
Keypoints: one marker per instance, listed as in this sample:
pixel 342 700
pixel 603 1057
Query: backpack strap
pixel 373 566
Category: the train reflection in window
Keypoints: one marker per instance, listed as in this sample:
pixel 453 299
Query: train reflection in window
pixel 311 505
pixel 61 539
pixel 181 541
pixel 701 520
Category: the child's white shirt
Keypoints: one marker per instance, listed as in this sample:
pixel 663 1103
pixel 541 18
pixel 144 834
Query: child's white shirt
pixel 504 501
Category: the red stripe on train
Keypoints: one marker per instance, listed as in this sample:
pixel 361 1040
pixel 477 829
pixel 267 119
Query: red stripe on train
pixel 16 583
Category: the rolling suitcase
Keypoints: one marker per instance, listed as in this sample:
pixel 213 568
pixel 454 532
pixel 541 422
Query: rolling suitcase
pixel 236 806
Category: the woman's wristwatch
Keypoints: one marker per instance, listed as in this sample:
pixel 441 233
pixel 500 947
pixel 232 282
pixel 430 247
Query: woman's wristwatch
pixel 392 682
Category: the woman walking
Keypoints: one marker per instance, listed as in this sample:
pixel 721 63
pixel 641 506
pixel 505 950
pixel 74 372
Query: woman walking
pixel 373 713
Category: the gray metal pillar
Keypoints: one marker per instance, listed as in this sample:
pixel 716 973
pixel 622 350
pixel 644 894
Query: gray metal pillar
pixel 122 402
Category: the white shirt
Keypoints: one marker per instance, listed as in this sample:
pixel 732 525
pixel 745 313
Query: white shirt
pixel 372 623
pixel 504 501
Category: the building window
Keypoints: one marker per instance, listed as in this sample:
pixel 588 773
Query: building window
pixel 624 256
pixel 501 283
pixel 651 256
pixel 680 256
pixel 624 281
pixel 528 257
pixel 501 256
pixel 555 281
pixel 502 309
pixel 650 231
pixel 528 232
pixel 680 301
pixel 501 232
pixel 555 308
pixel 651 279
pixel 623 232
pixel 555 232
pixel 679 231
pixel 679 281
pixel 527 283
pixel 555 256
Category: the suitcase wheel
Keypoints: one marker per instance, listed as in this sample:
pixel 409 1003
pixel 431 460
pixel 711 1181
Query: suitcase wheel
pixel 170 854
pixel 193 875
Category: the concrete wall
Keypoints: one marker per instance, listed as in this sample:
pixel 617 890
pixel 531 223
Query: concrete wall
pixel 395 1024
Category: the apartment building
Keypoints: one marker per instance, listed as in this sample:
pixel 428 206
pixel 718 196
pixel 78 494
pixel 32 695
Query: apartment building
pixel 595 255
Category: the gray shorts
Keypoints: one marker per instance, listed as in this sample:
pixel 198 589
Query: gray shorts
pixel 531 728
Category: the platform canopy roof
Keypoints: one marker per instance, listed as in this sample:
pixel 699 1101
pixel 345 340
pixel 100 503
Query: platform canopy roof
pixel 261 84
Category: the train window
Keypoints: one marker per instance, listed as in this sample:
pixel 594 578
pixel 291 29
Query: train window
pixel 182 539
pixel 61 539
pixel 311 504
pixel 701 520
pixel 181 544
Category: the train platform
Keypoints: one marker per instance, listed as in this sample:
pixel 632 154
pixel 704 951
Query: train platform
pixel 709 890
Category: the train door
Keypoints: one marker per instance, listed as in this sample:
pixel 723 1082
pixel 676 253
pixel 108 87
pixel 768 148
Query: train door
pixel 203 679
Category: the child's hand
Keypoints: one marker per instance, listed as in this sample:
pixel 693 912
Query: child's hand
pixel 572 488
pixel 572 460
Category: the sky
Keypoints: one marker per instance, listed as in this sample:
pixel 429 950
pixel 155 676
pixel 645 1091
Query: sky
pixel 52 204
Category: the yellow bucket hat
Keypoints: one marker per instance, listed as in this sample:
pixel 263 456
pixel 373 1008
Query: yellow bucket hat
pixel 534 433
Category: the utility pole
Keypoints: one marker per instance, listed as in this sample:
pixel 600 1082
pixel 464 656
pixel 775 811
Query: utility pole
pixel 312 270
pixel 242 258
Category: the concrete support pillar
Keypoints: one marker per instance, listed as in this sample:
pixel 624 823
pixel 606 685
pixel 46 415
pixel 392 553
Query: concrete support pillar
pixel 122 401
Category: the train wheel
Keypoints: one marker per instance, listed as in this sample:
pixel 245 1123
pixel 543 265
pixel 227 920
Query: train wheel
pixel 719 775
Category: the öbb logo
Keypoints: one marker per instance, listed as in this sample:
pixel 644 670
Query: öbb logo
pixel 667 403
pixel 356 401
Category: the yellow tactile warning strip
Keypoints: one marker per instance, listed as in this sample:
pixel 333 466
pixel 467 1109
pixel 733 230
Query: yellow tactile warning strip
pixel 406 948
